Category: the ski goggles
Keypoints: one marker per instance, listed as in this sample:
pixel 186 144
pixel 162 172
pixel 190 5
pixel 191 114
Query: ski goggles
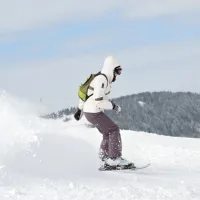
pixel 118 70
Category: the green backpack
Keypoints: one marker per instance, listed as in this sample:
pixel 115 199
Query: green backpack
pixel 82 91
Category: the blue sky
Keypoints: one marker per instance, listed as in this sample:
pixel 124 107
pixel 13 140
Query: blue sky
pixel 47 42
pixel 152 43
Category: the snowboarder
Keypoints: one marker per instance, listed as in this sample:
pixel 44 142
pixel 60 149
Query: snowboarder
pixel 93 109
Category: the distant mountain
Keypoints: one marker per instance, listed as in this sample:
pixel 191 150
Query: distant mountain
pixel 164 113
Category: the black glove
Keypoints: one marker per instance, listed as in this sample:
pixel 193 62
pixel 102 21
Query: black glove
pixel 117 108
pixel 77 115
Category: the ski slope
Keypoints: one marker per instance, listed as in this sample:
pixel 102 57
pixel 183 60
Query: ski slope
pixel 54 160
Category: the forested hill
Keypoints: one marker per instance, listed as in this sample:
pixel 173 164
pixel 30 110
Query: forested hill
pixel 165 113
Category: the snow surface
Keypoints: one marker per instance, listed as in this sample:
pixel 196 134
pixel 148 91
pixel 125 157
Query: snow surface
pixel 54 160
pixel 141 103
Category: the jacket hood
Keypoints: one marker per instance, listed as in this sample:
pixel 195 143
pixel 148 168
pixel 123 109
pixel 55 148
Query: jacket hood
pixel 110 63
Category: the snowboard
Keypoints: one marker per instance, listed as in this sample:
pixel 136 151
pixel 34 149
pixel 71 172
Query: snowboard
pixel 127 167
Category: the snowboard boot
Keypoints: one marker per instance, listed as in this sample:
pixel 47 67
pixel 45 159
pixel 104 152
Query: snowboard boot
pixel 103 160
pixel 119 161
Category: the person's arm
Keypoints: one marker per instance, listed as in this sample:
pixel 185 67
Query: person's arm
pixel 79 113
pixel 81 104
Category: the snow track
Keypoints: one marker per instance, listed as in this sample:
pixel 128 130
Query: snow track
pixel 55 160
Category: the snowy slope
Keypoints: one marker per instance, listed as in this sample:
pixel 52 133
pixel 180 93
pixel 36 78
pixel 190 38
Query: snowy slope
pixel 55 160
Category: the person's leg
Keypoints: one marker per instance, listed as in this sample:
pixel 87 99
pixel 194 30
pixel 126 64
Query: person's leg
pixel 104 148
pixel 111 144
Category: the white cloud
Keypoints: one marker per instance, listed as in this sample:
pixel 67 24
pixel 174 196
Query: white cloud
pixel 168 67
pixel 146 8
pixel 26 14
pixel 165 55
pixel 172 67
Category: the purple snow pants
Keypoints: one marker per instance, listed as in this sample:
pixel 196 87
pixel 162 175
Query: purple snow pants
pixel 111 145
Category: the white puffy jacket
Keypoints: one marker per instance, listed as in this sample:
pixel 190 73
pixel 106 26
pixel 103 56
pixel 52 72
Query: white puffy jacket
pixel 99 101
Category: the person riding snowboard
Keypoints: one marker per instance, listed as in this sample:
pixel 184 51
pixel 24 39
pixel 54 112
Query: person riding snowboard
pixel 93 109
